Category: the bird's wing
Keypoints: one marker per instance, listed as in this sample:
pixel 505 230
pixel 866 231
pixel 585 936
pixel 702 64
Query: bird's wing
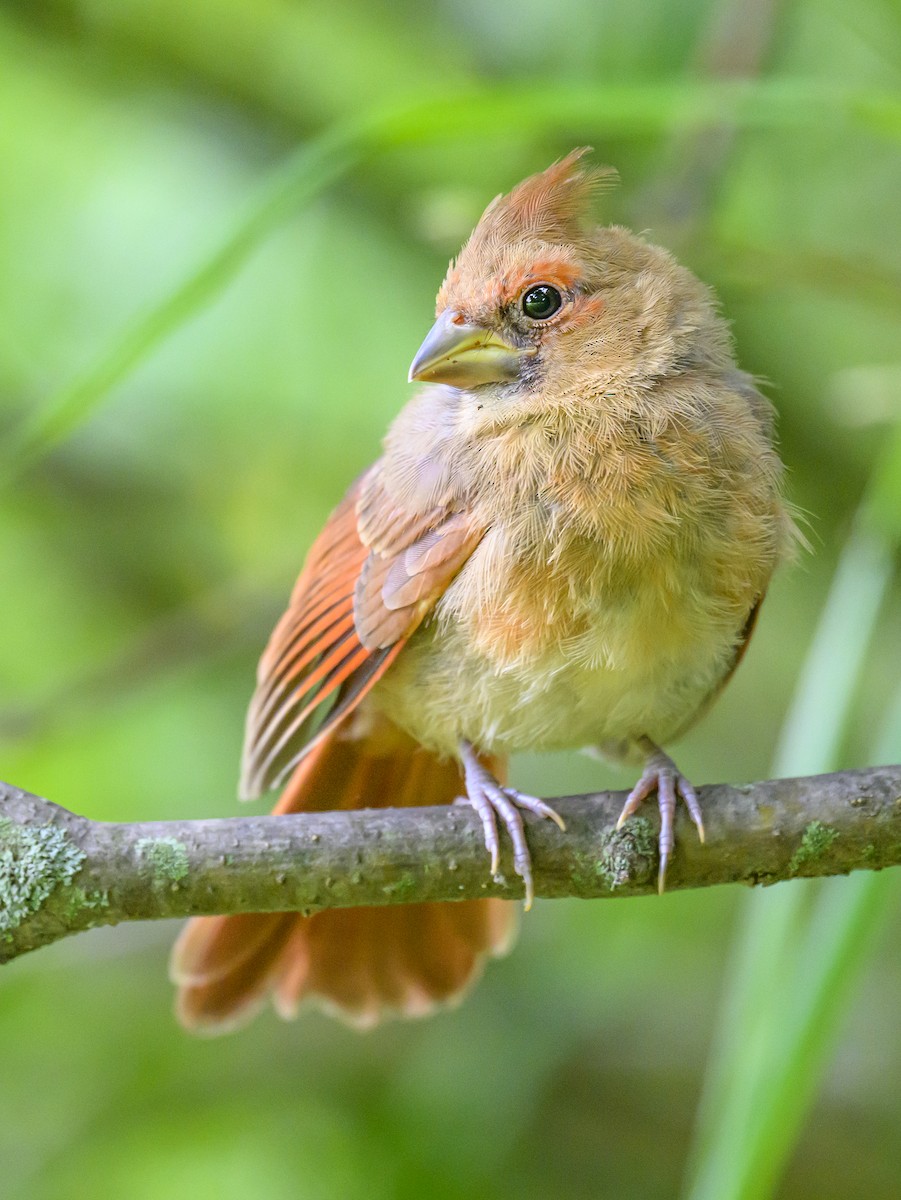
pixel 738 654
pixel 370 579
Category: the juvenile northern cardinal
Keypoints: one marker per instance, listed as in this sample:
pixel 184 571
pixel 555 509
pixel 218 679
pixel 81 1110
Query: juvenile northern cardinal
pixel 565 543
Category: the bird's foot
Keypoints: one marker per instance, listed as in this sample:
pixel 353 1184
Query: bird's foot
pixel 491 800
pixel 663 776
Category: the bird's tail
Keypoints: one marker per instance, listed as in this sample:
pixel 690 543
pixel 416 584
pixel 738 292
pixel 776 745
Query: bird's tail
pixel 361 964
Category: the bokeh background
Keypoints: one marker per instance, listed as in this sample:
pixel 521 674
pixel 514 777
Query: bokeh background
pixel 222 225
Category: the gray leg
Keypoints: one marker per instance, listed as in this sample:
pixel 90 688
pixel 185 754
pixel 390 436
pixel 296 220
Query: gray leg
pixel 663 776
pixel 491 801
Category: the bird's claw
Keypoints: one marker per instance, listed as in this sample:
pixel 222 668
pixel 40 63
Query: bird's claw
pixel 491 800
pixel 663 776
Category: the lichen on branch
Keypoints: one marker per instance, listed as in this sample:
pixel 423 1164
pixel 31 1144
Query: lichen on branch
pixel 35 860
pixel 61 873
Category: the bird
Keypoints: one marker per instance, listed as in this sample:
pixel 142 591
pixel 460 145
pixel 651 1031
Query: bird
pixel 565 544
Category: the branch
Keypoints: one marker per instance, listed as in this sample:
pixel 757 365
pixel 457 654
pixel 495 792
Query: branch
pixel 61 873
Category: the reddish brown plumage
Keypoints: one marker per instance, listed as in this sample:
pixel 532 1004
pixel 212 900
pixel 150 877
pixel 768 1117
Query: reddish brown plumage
pixel 564 544
pixel 363 964
pixel 369 580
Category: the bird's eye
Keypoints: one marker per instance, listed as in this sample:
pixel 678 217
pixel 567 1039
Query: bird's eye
pixel 541 302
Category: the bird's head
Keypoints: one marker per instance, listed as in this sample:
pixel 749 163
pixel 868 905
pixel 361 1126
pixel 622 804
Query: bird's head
pixel 540 294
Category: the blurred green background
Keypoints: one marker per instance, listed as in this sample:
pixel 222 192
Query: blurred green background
pixel 205 332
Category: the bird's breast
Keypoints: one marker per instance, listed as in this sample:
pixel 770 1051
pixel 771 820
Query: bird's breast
pixel 556 642
pixel 604 602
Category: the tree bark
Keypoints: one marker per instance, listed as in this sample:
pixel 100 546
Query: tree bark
pixel 61 873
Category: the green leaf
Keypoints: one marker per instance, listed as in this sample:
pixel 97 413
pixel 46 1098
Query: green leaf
pixel 794 971
pixel 599 111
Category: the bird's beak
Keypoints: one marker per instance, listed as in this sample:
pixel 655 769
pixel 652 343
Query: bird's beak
pixel 465 355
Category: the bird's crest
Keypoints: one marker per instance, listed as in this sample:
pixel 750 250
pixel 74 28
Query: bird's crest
pixel 546 218
pixel 552 205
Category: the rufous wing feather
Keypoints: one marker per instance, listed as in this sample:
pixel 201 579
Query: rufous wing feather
pixel 370 579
